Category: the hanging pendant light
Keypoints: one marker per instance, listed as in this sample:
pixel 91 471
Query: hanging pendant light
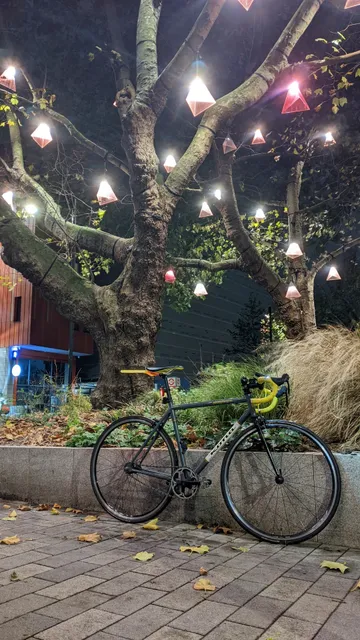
pixel 351 3
pixel 229 145
pixel 105 195
pixel 329 139
pixel 259 215
pixel 9 198
pixel 217 194
pixel 42 135
pixel 295 101
pixel 294 250
pixel 31 209
pixel 333 274
pixel 199 97
pixel 258 137
pixel 292 293
pixel 246 4
pixel 205 211
pixel 169 164
pixel 7 79
pixel 170 276
pixel 200 290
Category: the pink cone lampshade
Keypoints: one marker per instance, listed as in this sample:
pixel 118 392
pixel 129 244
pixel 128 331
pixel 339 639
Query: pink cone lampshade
pixel 294 250
pixel 294 101
pixel 169 164
pixel 351 3
pixel 42 135
pixel 333 274
pixel 259 215
pixel 7 79
pixel 200 290
pixel 205 211
pixel 246 4
pixel 105 195
pixel 170 276
pixel 258 137
pixel 329 139
pixel 199 97
pixel 229 145
pixel 292 293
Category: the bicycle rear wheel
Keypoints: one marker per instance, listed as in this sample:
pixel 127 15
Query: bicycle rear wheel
pixel 289 509
pixel 127 495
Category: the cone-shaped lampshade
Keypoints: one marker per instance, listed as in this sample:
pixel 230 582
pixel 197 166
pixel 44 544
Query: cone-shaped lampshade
pixel 292 293
pixel 294 250
pixel 199 97
pixel 351 3
pixel 246 4
pixel 105 195
pixel 205 211
pixel 42 135
pixel 229 145
pixel 259 215
pixel 31 209
pixel 258 137
pixel 217 194
pixel 170 276
pixel 294 101
pixel 9 198
pixel 329 139
pixel 333 274
pixel 169 164
pixel 200 290
pixel 7 79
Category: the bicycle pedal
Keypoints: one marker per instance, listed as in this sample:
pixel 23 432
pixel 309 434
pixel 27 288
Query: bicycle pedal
pixel 206 482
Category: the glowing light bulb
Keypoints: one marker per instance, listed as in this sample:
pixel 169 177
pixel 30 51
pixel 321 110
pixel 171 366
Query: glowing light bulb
pixel 170 276
pixel 258 137
pixel 294 101
pixel 169 164
pixel 16 370
pixel 333 274
pixel 329 139
pixel 200 290
pixel 229 145
pixel 31 209
pixel 7 78
pixel 105 194
pixel 259 215
pixel 205 211
pixel 217 194
pixel 292 293
pixel 294 251
pixel 9 198
pixel 42 135
pixel 199 97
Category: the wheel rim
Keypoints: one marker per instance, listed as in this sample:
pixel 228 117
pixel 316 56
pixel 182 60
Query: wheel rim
pixel 297 506
pixel 125 494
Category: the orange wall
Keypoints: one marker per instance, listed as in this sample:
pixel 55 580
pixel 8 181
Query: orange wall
pixel 13 333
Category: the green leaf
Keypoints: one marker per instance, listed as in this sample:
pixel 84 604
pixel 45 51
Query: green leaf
pixel 342 101
pixel 321 40
pixel 324 69
pixel 14 101
pixel 309 56
pixel 357 72
pixel 318 92
pixel 91 57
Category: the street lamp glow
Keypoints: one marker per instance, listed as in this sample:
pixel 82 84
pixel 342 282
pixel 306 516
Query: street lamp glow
pixel 200 290
pixel 16 370
pixel 329 139
pixel 199 97
pixel 105 194
pixel 7 78
pixel 31 209
pixel 169 164
pixel 294 251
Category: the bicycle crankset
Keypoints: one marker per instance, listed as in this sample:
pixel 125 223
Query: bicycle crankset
pixel 185 483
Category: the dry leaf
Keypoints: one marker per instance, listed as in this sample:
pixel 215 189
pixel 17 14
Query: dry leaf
pixel 204 584
pixel 203 572
pixel 10 540
pixel 242 549
pixel 43 507
pixel 224 530
pixel 24 507
pixel 200 526
pixel 69 510
pixel 203 549
pixel 77 511
pixel 12 514
pixel 90 537
pixel 12 518
pixel 143 556
pixel 152 525
pixel 356 586
pixel 91 519
pixel 14 577
pixel 340 566
pixel 6 506
pixel 54 512
pixel 128 534
pixel 56 506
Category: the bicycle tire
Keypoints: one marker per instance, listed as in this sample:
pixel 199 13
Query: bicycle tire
pixel 331 470
pixel 94 471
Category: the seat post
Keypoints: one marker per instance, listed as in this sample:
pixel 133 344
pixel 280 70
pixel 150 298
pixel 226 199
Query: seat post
pixel 167 389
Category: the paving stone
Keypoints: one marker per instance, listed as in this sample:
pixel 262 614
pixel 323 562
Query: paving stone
pixel 287 589
pixel 159 566
pixel 20 606
pixel 331 587
pixel 312 608
pixel 25 626
pixel 113 570
pixel 79 554
pixel 73 606
pixel 67 571
pixel 80 626
pixel 70 587
pixel 305 570
pixel 142 623
pixel 264 573
pixel 21 588
pixel 172 579
pixel 23 572
pixel 108 557
pixel 260 612
pixel 291 629
pixel 232 631
pixel 237 592
pixel 183 598
pixel 121 584
pixel 103 636
pixel 132 601
pixel 167 633
pixel 204 617
pixel 244 561
pixel 20 559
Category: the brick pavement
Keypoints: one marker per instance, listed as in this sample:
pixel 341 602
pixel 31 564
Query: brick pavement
pixel 71 590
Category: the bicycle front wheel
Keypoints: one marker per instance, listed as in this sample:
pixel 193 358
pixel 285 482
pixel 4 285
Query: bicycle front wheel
pixel 289 506
pixel 127 481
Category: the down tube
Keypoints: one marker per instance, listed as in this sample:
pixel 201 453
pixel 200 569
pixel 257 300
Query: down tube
pixel 224 440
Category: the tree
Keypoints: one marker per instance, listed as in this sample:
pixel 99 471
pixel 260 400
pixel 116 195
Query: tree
pixel 246 334
pixel 124 315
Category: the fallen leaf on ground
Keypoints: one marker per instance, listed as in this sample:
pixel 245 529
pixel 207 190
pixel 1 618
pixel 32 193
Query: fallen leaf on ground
pixel 77 511
pixel 224 530
pixel 43 507
pixel 56 506
pixel 12 518
pixel 204 584
pixel 340 566
pixel 200 526
pixel 203 572
pixel 6 506
pixel 12 514
pixel 128 534
pixel 152 525
pixel 10 540
pixel 203 549
pixel 91 519
pixel 54 512
pixel 356 586
pixel 90 537
pixel 143 556
pixel 242 549
pixel 24 507
pixel 14 577
pixel 69 510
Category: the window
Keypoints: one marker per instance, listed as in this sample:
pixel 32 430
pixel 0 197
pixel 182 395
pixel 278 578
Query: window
pixel 17 309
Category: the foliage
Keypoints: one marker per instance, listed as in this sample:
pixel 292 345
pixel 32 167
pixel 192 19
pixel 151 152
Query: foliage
pixel 246 335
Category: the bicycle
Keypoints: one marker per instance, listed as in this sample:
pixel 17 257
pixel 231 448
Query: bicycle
pixel 279 480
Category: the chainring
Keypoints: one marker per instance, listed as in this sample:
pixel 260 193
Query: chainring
pixel 185 483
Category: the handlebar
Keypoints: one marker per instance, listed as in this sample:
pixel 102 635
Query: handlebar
pixel 279 387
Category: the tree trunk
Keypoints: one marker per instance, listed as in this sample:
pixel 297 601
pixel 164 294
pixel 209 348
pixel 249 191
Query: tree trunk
pixel 299 316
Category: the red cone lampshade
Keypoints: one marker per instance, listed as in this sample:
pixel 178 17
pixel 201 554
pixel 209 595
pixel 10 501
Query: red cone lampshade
pixel 229 145
pixel 246 4
pixel 105 195
pixel 295 101
pixel 199 97
pixel 7 79
pixel 258 137
pixel 333 274
pixel 42 135
pixel 205 211
pixel 170 276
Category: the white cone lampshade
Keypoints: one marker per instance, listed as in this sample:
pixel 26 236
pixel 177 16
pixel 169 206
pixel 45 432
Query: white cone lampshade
pixel 105 195
pixel 294 250
pixel 9 198
pixel 229 145
pixel 205 211
pixel 352 3
pixel 329 139
pixel 169 164
pixel 292 293
pixel 259 215
pixel 333 274
pixel 200 290
pixel 246 4
pixel 170 276
pixel 7 79
pixel 42 135
pixel 199 97
pixel 217 194
pixel 258 137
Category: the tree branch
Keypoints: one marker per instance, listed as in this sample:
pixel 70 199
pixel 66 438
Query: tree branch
pixel 187 52
pixel 146 46
pixel 194 263
pixel 333 254
pixel 347 58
